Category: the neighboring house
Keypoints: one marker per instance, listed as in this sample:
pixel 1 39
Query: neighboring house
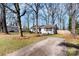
pixel 15 29
pixel 12 28
pixel 45 29
pixel 33 28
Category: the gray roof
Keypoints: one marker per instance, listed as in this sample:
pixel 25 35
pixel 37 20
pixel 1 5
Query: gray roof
pixel 33 27
pixel 49 26
pixel 43 26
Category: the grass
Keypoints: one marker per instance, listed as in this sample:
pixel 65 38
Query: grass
pixel 72 52
pixel 13 42
pixel 10 43
pixel 56 35
pixel 70 39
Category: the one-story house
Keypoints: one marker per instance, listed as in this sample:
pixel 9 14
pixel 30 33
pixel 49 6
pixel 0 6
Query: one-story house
pixel 45 29
pixel 15 29
pixel 12 28
pixel 33 28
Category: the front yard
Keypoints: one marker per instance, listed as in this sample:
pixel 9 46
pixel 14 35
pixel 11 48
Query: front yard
pixel 71 51
pixel 10 43
pixel 13 42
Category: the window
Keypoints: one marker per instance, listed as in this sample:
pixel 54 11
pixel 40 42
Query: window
pixel 50 29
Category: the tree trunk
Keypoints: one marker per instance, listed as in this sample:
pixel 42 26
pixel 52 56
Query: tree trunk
pixel 1 27
pixel 19 18
pixel 48 20
pixel 70 21
pixel 73 25
pixel 33 20
pixel 4 20
pixel 19 26
pixel 37 8
pixel 28 24
pixel 53 18
pixel 19 23
pixel 36 22
pixel 63 24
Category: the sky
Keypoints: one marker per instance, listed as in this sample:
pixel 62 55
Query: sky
pixel 41 21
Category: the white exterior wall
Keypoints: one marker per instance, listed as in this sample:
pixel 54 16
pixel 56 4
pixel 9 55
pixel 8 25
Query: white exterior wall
pixel 32 30
pixel 43 31
pixel 52 31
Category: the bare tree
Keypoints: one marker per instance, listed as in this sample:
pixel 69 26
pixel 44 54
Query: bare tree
pixel 18 17
pixel 17 12
pixel 36 10
pixel 28 22
pixel 44 15
pixel 52 11
pixel 33 19
pixel 72 9
pixel 48 12
pixel 29 15
pixel 1 27
pixel 3 13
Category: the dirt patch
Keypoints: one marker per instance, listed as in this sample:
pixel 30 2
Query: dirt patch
pixel 64 32
pixel 48 47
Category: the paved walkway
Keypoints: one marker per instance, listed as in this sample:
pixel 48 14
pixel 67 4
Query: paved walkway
pixel 48 47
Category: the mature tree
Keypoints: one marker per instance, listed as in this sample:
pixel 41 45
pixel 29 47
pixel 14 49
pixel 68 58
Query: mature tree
pixel 70 19
pixel 29 15
pixel 35 7
pixel 43 15
pixel 61 12
pixel 72 9
pixel 52 10
pixel 3 17
pixel 33 18
pixel 48 7
pixel 19 15
pixel 1 27
pixel 28 22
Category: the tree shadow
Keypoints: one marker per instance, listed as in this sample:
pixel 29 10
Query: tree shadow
pixel 69 45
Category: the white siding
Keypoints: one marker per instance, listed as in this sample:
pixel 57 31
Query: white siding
pixel 32 30
pixel 43 31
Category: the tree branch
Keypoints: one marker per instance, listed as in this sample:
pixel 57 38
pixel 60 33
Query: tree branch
pixel 23 13
pixel 9 8
pixel 31 7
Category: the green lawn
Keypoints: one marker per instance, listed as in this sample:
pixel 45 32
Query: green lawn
pixel 9 44
pixel 72 52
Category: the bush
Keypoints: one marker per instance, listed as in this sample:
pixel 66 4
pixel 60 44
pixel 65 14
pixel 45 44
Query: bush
pixel 77 30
